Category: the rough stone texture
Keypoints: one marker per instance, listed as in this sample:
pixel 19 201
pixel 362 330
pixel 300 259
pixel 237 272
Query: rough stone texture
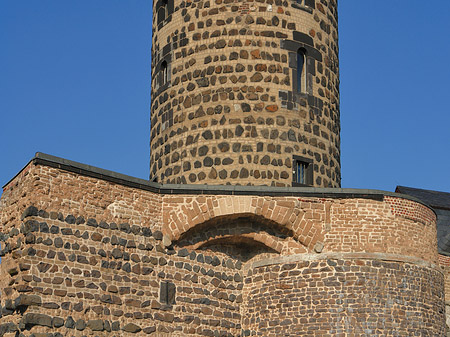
pixel 444 263
pixel 344 295
pixel 87 255
pixel 232 85
pixel 228 257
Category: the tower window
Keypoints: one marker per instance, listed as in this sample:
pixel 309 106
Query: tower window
pixel 164 73
pixel 167 293
pixel 302 173
pixel 301 73
pixel 307 3
pixel 163 11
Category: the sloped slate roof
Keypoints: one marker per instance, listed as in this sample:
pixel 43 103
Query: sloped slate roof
pixel 440 202
pixel 436 199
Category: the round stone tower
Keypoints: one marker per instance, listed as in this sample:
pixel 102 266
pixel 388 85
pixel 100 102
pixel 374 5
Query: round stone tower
pixel 245 92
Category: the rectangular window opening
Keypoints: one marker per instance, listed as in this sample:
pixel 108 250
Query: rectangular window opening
pixel 302 171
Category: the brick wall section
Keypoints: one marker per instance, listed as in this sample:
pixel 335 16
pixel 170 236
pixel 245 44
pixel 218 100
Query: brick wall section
pixel 57 190
pixel 342 225
pixel 74 259
pixel 411 210
pixel 343 297
pixel 347 225
pixel 367 225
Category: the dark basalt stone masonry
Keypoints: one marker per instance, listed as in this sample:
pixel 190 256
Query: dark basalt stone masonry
pixel 231 109
pixel 105 267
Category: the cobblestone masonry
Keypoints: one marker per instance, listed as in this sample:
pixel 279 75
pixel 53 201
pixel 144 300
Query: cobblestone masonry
pixel 243 93
pixel 226 103
pixel 444 263
pixel 171 262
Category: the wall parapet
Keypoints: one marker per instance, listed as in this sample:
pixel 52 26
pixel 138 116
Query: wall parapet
pixel 129 181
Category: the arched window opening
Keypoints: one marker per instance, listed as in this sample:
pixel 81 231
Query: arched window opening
pixel 165 6
pixel 306 3
pixel 301 73
pixel 163 11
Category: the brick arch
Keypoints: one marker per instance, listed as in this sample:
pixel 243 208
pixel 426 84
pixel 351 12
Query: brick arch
pixel 236 230
pixel 181 213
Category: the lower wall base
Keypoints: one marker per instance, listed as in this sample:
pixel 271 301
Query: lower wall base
pixel 344 297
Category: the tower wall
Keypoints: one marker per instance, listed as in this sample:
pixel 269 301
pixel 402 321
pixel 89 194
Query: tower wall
pixel 228 103
pixel 343 296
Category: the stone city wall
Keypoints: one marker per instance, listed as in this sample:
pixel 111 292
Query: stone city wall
pixel 221 261
pixel 78 276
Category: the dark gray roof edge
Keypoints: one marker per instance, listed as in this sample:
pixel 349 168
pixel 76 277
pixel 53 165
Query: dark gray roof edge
pixel 443 252
pixel 430 202
pixel 122 179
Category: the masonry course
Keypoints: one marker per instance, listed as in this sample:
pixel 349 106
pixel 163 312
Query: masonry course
pixel 242 229
pixel 80 267
pixel 229 111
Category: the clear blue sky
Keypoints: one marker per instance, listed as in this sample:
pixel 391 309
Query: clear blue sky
pixel 75 83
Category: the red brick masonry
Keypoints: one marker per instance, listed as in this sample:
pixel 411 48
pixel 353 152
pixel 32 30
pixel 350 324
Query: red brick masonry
pixel 93 253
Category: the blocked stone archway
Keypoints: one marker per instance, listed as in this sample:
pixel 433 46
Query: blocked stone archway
pixel 182 213
pixel 253 231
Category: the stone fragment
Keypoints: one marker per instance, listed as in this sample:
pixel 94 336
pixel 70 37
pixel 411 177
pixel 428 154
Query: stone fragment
pixel 220 44
pixel 70 323
pixel 318 247
pixel 131 327
pixel 27 300
pixel 8 327
pixel 256 77
pixel 95 325
pixel 149 330
pixel 80 325
pixel 158 235
pixel 30 211
pixel 32 319
pixel 125 227
pixel 92 222
pixel 57 322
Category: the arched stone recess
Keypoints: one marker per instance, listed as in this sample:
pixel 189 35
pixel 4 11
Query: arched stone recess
pixel 301 219
pixel 241 235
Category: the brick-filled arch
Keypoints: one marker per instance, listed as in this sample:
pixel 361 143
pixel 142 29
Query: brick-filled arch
pixel 303 220
pixel 249 229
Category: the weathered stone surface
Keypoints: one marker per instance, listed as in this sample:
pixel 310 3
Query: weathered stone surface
pixel 131 327
pixel 29 211
pixel 80 325
pixel 27 300
pixel 32 319
pixel 58 322
pixel 95 325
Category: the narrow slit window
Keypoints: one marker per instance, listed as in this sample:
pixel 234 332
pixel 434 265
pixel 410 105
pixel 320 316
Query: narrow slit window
pixel 167 293
pixel 164 73
pixel 301 76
